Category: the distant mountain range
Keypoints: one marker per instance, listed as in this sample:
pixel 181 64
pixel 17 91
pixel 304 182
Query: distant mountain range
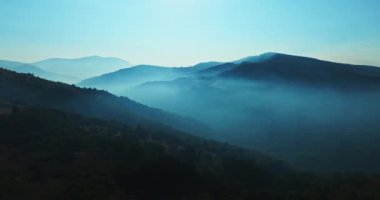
pixel 263 67
pixel 60 141
pixel 307 70
pixel 32 69
pixel 277 103
pixel 67 70
pixel 296 108
pixel 124 79
pixel 82 68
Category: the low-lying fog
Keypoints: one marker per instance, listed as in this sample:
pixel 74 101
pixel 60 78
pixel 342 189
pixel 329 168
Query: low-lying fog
pixel 298 123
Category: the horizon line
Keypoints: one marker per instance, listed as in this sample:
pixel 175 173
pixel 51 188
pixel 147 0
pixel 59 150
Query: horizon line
pixel 132 64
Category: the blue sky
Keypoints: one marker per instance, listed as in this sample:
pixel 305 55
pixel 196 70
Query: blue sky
pixel 184 32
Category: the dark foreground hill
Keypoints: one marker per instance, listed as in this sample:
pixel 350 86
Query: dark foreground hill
pixel 48 154
pixel 27 89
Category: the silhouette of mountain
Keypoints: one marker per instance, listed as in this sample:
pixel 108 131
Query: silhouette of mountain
pixel 31 69
pixel 216 70
pixel 299 109
pixel 6 64
pixel 26 88
pixel 206 65
pixel 260 58
pixel 307 70
pixel 265 67
pixel 82 68
pixel 124 79
pixel 58 141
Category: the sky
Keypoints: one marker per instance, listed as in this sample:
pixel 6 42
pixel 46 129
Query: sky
pixel 185 32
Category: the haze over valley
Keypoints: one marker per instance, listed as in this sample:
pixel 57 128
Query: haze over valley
pixel 299 109
pixel 189 100
pixel 294 108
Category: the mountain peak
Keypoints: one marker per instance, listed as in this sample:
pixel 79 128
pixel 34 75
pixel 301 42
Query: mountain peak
pixel 258 58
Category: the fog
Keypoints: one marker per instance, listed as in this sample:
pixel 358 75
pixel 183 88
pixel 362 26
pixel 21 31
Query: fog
pixel 298 109
pixel 292 121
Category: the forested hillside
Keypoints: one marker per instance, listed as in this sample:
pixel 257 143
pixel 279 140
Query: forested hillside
pixel 48 154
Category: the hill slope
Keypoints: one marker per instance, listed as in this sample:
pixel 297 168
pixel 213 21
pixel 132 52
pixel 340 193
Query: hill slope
pixel 306 71
pixel 25 88
pixel 56 155
pixel 124 79
pixel 31 69
pixel 300 109
pixel 82 68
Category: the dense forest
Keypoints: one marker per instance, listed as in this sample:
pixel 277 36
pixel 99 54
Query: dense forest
pixel 48 154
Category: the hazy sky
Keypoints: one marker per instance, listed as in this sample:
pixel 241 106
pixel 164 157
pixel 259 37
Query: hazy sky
pixel 183 32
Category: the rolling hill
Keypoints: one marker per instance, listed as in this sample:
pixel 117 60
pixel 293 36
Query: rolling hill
pixel 124 79
pixel 58 141
pixel 121 80
pixel 300 109
pixel 31 69
pixel 306 71
pixel 82 68
pixel 26 88
pixel 49 154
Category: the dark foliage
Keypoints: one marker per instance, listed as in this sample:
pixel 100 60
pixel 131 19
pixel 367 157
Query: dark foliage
pixel 46 154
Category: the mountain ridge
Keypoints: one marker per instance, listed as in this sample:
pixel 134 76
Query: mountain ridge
pixel 294 65
pixel 31 69
pixel 307 70
pixel 83 67
pixel 16 87
pixel 293 107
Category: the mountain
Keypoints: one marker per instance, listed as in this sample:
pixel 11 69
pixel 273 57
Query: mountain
pixel 216 70
pixel 31 69
pixel 256 59
pixel 299 109
pixel 58 141
pixel 82 68
pixel 49 154
pixel 205 65
pixel 120 81
pixel 26 88
pixel 6 64
pixel 306 70
pixel 124 79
